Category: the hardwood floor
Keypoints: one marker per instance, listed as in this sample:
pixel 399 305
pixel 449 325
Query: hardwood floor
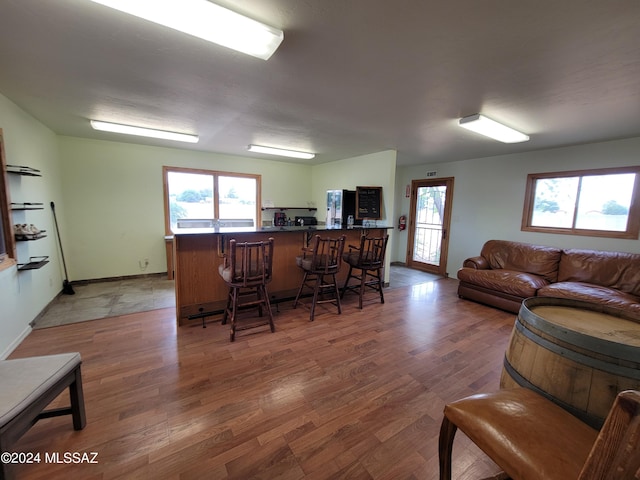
pixel 358 395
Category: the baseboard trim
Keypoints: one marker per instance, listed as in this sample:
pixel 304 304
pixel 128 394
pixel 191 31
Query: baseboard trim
pixel 120 278
pixel 17 341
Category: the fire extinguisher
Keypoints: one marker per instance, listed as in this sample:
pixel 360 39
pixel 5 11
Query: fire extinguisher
pixel 402 222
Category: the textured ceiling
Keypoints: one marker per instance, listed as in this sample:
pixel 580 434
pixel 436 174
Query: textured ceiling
pixel 352 77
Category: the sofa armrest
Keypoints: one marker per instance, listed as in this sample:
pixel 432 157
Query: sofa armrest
pixel 479 263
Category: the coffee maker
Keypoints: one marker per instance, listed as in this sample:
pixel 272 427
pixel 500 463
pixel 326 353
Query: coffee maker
pixel 279 219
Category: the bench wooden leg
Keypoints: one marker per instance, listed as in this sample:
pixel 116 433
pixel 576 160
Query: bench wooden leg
pixel 445 447
pixel 76 396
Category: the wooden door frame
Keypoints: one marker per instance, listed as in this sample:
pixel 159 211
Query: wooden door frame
pixel 446 224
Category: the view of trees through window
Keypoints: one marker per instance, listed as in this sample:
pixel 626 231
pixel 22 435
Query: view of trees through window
pixel 599 202
pixel 428 224
pixel 209 195
pixel 190 196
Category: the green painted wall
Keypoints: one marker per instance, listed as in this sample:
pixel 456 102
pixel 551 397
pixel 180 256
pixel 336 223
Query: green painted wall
pixel 24 294
pixel 113 196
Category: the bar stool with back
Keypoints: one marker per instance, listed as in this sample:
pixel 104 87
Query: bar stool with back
pixel 368 258
pixel 323 259
pixel 246 270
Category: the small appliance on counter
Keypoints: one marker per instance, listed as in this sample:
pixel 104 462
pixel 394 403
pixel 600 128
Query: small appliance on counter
pixel 279 219
pixel 306 221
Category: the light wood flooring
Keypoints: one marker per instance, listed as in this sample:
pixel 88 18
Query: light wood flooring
pixel 358 395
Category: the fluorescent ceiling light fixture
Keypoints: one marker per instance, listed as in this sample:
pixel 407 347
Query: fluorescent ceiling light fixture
pixel 143 132
pixel 281 152
pixel 485 126
pixel 208 21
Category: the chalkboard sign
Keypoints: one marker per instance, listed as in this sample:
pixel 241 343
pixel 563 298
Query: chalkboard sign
pixel 368 202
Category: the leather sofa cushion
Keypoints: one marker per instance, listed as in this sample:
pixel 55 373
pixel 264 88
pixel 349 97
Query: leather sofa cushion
pixel 617 270
pixel 523 257
pixel 520 284
pixel 590 293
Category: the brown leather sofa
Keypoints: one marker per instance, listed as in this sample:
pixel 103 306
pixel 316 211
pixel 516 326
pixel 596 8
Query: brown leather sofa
pixel 505 273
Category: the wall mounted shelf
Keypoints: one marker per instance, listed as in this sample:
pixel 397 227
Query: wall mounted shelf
pixel 27 206
pixel 34 263
pixel 28 238
pixel 22 170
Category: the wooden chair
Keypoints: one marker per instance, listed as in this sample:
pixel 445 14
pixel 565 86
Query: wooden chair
pixel 322 260
pixel 368 259
pixel 247 269
pixel 529 437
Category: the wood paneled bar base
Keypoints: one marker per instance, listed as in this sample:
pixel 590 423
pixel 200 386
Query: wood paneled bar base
pixel 197 253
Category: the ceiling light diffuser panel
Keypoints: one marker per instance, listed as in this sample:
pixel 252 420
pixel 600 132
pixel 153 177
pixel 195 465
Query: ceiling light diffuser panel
pixel 143 132
pixel 208 21
pixel 281 152
pixel 490 128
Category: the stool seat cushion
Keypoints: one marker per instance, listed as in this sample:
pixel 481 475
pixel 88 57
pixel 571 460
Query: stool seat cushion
pixel 230 278
pixel 23 380
pixel 500 423
pixel 368 260
pixel 306 263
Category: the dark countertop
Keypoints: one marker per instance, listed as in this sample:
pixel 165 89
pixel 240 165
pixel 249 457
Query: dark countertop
pixel 313 228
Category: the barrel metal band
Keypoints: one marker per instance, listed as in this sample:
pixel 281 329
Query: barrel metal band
pixel 590 419
pixel 603 366
pixel 611 348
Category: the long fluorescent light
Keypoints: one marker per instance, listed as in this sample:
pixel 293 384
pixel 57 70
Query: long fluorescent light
pixel 281 152
pixel 143 132
pixel 485 126
pixel 208 21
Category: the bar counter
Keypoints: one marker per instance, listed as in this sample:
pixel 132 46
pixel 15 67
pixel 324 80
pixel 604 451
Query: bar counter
pixel 197 253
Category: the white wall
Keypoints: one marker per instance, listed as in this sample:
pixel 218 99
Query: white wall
pixel 377 169
pixel 113 197
pixel 24 294
pixel 489 194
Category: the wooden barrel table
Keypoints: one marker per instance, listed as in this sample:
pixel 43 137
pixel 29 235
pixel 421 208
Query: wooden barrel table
pixel 580 355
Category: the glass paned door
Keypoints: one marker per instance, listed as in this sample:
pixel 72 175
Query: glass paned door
pixel 429 224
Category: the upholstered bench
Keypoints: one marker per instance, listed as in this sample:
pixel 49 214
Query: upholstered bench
pixel 27 386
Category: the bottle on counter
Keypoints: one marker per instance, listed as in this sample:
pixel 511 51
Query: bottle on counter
pixel 350 221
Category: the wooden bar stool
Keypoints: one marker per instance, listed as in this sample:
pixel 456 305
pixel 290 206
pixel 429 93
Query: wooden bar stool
pixel 322 260
pixel 246 270
pixel 529 437
pixel 368 259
